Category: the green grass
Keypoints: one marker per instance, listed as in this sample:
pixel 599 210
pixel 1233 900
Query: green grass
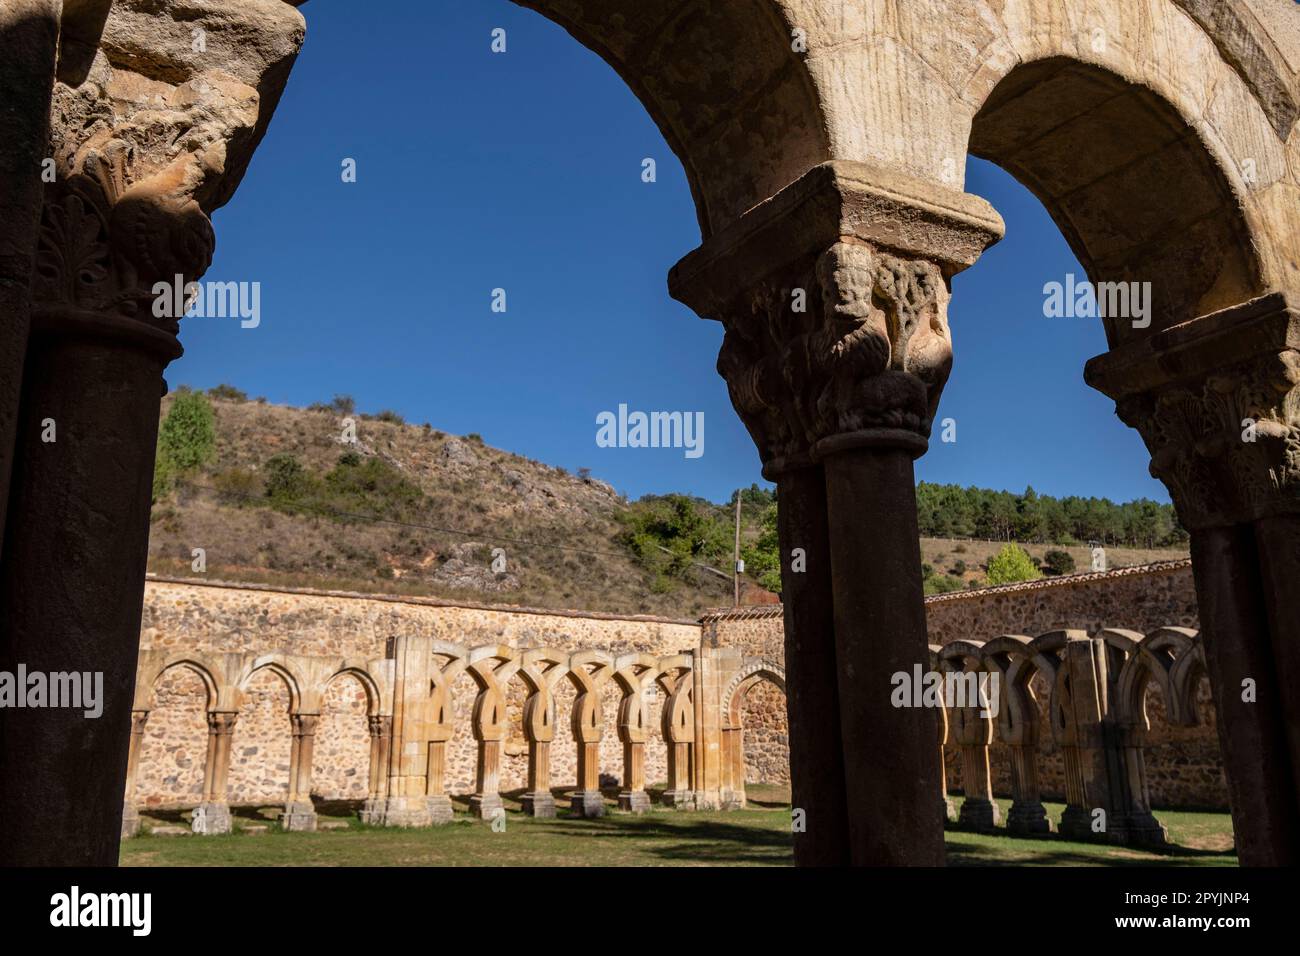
pixel 756 836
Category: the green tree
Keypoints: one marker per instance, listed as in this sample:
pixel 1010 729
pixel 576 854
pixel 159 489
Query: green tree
pixel 1012 564
pixel 1058 562
pixel 187 440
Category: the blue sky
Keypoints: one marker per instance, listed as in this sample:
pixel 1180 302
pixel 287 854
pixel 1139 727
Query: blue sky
pixel 522 171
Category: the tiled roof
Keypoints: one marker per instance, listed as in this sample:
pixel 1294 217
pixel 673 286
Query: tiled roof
pixel 760 612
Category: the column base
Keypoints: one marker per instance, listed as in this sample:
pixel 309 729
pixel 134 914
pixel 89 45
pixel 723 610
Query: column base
pixel 372 811
pixel 130 821
pixel 485 806
pixel 299 817
pixel 440 809
pixel 403 812
pixel 1141 829
pixel 708 800
pixel 539 803
pixel 587 803
pixel 1026 818
pixel 978 814
pixel 210 819
pixel 1076 823
pixel 679 799
pixel 634 801
pixel 732 800
pixel 949 811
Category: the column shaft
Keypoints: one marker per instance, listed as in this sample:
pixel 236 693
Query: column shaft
pixel 890 766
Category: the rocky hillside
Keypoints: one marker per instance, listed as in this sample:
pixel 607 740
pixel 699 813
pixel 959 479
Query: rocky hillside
pixel 446 504
pixel 329 498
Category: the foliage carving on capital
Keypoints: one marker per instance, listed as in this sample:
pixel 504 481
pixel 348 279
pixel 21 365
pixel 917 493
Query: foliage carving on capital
pixel 107 237
pixel 855 339
pixel 1228 446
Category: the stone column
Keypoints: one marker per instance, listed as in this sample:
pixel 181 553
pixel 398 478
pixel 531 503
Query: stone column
pixel 1083 690
pixel 489 730
pixel 130 812
pixel 834 297
pixel 416 713
pixel 127 211
pixel 437 801
pixel 632 732
pixel 812 685
pixel 733 762
pixel 29 39
pixel 1028 815
pixel 213 814
pixel 300 812
pixel 539 728
pixel 973 734
pixel 587 800
pixel 1215 400
pixel 678 720
pixel 381 735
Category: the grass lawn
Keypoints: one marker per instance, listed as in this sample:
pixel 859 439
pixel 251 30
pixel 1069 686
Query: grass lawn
pixel 756 836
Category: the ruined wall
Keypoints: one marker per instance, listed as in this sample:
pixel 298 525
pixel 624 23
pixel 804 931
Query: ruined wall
pixel 183 616
pixel 1183 764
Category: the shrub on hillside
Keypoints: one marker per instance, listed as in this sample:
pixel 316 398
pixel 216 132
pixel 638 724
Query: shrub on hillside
pixel 1012 564
pixel 1058 562
pixel 187 439
pixel 227 393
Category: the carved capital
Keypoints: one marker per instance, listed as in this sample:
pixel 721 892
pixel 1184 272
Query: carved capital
pixel 834 295
pixel 1216 402
pixel 221 723
pixel 1226 446
pixel 855 341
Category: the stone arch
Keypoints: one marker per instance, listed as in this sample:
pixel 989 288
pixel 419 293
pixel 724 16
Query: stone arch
pixel 752 672
pixel 262 748
pixel 175 734
pixel 211 686
pixel 341 755
pixel 1140 193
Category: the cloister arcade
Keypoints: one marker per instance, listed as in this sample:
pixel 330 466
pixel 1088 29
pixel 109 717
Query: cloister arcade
pixel 824 142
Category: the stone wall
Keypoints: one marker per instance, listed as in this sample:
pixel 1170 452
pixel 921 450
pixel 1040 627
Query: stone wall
pixel 185 617
pixel 180 617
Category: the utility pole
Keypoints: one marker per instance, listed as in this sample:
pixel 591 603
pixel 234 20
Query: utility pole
pixel 738 564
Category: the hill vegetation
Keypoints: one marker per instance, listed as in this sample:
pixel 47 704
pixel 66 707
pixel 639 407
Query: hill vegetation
pixel 331 498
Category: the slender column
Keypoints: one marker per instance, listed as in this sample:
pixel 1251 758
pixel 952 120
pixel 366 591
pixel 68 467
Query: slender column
pixel 130 812
pixel 489 730
pixel 213 814
pixel 587 800
pixel 678 720
pixel 539 728
pixel 1028 815
pixel 436 798
pixel 300 812
pixel 632 731
pixel 978 811
pixel 381 735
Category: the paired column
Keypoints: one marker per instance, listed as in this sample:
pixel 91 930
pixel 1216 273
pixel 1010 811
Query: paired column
pixel 539 728
pixel 632 732
pixel 587 800
pixel 300 812
pixel 381 736
pixel 212 815
pixel 678 724
pixel 834 298
pixel 489 731
pixel 1215 400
